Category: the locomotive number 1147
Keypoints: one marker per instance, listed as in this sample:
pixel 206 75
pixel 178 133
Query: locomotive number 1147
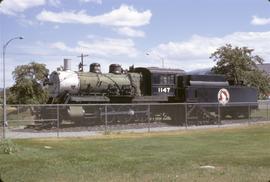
pixel 164 90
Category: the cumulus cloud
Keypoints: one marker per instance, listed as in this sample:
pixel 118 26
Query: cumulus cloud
pixel 25 22
pixel 260 21
pixel 91 1
pixel 130 32
pixel 197 49
pixel 54 3
pixel 124 16
pixel 12 7
pixel 101 47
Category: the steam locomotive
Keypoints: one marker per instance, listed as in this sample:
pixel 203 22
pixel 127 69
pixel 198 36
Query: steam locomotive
pixel 142 85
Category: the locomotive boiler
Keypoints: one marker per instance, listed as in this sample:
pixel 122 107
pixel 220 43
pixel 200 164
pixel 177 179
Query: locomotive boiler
pixel 66 86
pixel 141 85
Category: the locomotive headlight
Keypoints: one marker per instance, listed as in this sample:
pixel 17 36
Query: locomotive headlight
pixel 64 81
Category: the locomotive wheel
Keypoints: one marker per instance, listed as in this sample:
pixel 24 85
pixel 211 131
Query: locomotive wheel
pixel 202 116
pixel 240 113
pixel 46 116
pixel 164 116
pixel 175 115
pixel 111 117
pixel 140 114
pixel 140 118
pixel 126 114
pixel 123 114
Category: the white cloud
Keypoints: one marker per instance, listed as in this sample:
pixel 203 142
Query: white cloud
pixel 55 27
pixel 197 50
pixel 12 7
pixel 260 21
pixel 130 32
pixel 102 47
pixel 92 36
pixel 54 3
pixel 91 1
pixel 124 16
pixel 60 45
pixel 25 22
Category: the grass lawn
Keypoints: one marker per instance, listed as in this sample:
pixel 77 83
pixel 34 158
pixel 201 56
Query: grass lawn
pixel 238 154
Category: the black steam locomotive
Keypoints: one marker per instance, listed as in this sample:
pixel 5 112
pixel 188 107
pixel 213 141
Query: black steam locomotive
pixel 140 85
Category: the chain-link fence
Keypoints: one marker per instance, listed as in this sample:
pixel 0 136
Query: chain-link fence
pixel 30 121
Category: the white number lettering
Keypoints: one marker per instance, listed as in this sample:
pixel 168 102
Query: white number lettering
pixel 164 90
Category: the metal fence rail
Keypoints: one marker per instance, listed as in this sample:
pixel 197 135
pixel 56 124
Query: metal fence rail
pixel 29 121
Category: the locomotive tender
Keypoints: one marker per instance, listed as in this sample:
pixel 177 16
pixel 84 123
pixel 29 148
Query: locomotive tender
pixel 144 85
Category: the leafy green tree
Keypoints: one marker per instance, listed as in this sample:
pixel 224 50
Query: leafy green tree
pixel 28 84
pixel 240 66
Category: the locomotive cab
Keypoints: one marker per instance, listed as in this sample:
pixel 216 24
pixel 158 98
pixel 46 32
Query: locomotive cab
pixel 159 81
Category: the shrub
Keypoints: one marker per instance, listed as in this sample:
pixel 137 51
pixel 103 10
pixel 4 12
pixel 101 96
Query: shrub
pixel 7 147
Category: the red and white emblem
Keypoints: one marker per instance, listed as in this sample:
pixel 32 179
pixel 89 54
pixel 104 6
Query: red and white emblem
pixel 223 96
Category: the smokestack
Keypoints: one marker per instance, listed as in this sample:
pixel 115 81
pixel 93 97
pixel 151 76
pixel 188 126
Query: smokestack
pixel 67 64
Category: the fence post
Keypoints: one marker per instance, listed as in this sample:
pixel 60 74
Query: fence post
pixel 249 114
pixel 267 110
pixel 4 124
pixel 4 130
pixel 58 120
pixel 18 112
pixel 219 118
pixel 148 116
pixel 106 118
pixel 186 112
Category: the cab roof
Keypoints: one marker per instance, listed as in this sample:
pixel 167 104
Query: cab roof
pixel 161 70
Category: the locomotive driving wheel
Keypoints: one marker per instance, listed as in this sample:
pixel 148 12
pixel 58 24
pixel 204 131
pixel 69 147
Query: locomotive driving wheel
pixel 111 117
pixel 140 113
pixel 124 114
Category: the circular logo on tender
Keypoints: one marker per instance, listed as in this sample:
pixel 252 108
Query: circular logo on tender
pixel 223 96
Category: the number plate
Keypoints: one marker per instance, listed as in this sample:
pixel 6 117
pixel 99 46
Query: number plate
pixel 164 90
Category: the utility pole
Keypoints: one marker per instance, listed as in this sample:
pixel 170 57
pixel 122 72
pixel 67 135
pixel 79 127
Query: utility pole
pixel 81 63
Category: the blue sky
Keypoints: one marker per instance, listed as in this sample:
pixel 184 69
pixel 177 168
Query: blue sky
pixel 183 33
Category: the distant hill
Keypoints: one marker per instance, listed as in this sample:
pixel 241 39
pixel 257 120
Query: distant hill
pixel 264 67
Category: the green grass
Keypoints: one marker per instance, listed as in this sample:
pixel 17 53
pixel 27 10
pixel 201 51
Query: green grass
pixel 239 154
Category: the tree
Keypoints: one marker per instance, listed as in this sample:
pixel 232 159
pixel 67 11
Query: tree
pixel 240 66
pixel 28 84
